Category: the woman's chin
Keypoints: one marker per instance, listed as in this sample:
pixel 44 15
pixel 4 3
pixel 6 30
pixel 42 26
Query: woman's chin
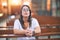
pixel 25 15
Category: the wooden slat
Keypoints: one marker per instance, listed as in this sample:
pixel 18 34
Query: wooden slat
pixel 39 34
pixel 6 32
pixel 48 34
pixel 50 39
pixel 46 30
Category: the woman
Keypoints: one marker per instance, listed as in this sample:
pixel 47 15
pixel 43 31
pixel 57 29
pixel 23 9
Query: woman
pixel 26 25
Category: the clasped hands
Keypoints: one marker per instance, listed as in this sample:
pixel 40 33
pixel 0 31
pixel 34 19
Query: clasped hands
pixel 28 33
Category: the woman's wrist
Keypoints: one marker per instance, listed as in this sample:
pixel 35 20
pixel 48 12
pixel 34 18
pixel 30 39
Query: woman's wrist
pixel 33 32
pixel 24 31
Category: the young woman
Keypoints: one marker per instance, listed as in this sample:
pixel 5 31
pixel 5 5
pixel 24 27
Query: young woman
pixel 26 25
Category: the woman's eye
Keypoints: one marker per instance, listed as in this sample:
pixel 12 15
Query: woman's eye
pixel 25 9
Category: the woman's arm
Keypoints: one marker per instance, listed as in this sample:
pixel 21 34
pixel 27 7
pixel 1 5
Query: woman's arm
pixel 17 27
pixel 36 26
pixel 17 31
pixel 37 29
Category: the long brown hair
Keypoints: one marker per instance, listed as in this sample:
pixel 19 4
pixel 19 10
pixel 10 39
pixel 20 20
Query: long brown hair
pixel 21 17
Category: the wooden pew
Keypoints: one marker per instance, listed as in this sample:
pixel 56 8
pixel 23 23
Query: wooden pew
pixel 49 26
pixel 8 33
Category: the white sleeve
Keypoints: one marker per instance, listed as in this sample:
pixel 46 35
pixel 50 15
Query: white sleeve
pixel 16 25
pixel 35 23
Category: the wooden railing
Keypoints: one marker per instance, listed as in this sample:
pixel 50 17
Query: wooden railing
pixel 8 33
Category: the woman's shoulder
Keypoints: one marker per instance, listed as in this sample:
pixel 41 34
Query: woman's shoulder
pixel 33 18
pixel 16 20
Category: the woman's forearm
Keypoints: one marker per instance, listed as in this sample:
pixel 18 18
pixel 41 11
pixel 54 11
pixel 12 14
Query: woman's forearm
pixel 16 31
pixel 37 30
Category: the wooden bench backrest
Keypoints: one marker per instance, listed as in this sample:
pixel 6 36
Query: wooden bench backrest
pixel 51 20
pixel 48 19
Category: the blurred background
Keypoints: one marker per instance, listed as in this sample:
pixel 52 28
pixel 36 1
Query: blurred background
pixel 39 7
pixel 10 9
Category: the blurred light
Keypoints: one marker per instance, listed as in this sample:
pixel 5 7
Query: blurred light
pixel 15 2
pixel 26 3
pixel 48 5
pixel 1 14
pixel 13 16
pixel 4 4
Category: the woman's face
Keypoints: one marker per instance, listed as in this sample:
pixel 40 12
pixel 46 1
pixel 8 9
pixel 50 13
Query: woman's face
pixel 25 11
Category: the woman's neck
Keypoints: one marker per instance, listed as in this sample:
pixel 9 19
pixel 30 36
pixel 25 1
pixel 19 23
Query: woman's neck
pixel 25 19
